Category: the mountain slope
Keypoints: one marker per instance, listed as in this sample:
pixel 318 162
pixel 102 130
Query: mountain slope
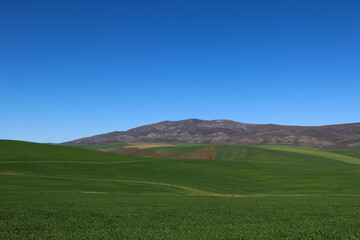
pixel 226 132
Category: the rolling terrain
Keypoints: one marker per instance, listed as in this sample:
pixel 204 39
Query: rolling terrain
pixel 241 192
pixel 212 152
pixel 226 132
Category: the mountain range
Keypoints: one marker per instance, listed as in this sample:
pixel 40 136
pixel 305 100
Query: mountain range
pixel 227 132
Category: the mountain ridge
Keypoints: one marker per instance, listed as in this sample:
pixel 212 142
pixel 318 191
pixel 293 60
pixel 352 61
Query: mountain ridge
pixel 228 132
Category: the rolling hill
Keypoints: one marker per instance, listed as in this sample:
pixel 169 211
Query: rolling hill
pixel 234 170
pixel 226 152
pixel 244 192
pixel 226 132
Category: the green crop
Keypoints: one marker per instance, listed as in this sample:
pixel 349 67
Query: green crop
pixel 247 192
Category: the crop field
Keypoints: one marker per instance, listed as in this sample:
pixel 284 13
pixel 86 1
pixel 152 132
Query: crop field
pixel 244 192
pixel 353 152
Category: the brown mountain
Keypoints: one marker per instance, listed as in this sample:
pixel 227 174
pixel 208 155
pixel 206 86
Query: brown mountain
pixel 224 132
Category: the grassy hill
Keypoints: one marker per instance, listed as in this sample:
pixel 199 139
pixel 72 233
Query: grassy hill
pixel 352 152
pixel 63 192
pixel 28 151
pixel 283 154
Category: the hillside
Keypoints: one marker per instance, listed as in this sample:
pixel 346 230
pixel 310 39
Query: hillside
pixel 29 151
pixel 236 153
pixel 274 192
pixel 235 170
pixel 226 132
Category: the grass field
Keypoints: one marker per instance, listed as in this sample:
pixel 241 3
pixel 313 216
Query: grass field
pixel 352 152
pixel 107 145
pixel 111 216
pixel 246 192
pixel 243 153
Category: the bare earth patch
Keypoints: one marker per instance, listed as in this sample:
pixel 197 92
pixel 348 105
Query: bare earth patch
pixel 202 153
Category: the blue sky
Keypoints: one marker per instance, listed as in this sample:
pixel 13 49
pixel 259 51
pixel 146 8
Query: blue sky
pixel 70 69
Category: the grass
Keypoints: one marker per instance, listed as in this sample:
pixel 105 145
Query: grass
pixel 352 152
pixel 182 148
pixel 284 154
pixel 27 151
pixel 106 145
pixel 247 153
pixel 111 216
pixel 318 152
pixel 247 192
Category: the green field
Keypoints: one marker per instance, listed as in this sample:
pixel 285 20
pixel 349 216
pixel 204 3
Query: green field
pixel 352 152
pixel 246 192
pixel 107 145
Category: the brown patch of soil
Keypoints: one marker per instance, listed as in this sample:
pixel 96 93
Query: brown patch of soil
pixel 202 153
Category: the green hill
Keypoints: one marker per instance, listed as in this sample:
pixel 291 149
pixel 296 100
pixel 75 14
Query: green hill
pixel 352 152
pixel 28 151
pixel 235 170
pixel 62 192
pixel 284 154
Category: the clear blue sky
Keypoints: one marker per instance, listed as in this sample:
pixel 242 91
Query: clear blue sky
pixel 70 69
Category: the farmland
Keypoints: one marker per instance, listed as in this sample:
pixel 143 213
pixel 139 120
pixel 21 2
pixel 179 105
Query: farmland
pixel 244 192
